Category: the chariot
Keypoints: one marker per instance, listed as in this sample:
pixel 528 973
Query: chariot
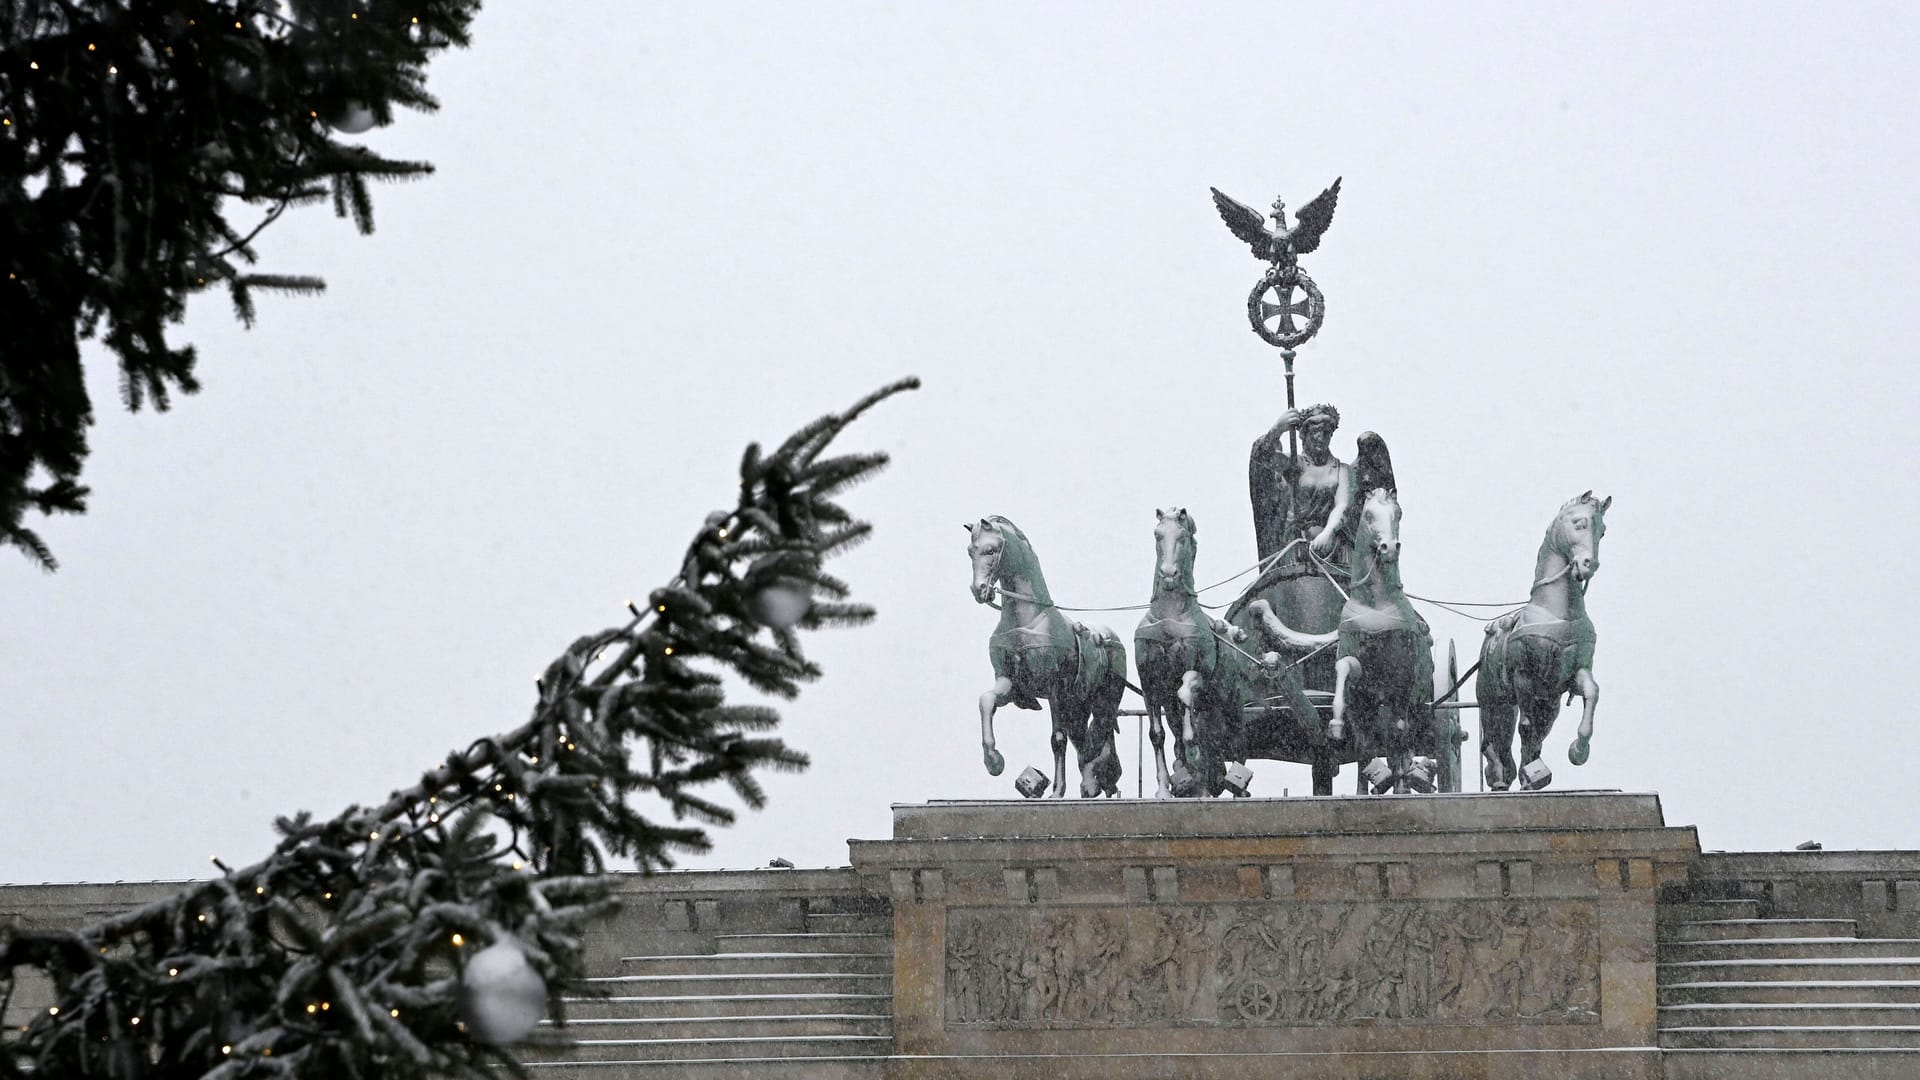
pixel 1321 659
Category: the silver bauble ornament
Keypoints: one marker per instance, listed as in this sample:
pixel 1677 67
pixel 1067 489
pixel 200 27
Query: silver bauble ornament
pixel 501 997
pixel 781 602
pixel 354 119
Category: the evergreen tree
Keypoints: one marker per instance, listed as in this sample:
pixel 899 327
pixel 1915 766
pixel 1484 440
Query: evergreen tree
pixel 346 952
pixel 129 131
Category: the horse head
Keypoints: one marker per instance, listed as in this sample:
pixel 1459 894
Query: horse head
pixel 1174 547
pixel 987 547
pixel 1575 534
pixel 1377 537
pixel 1000 553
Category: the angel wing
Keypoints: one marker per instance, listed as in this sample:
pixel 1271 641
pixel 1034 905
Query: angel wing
pixel 1372 467
pixel 1248 224
pixel 1312 219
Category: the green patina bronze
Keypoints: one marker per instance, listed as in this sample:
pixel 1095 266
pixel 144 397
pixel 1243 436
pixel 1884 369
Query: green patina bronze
pixel 1383 672
pixel 1038 653
pixel 1533 655
pixel 1195 667
pixel 1303 509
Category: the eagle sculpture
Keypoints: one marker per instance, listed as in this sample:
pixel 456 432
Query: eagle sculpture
pixel 1279 245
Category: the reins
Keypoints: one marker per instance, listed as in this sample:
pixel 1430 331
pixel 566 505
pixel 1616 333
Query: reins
pixel 1261 566
pixel 1327 571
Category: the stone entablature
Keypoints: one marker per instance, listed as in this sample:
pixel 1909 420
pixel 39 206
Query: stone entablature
pixel 1497 936
pixel 1327 926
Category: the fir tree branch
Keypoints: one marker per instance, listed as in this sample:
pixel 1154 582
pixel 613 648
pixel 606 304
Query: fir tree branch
pixel 332 956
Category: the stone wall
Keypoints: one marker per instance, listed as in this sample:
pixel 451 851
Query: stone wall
pixel 1879 890
pixel 1122 937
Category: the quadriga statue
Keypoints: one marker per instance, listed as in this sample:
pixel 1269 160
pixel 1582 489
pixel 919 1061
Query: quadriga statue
pixel 1383 667
pixel 1305 511
pixel 1533 655
pixel 1039 653
pixel 1198 671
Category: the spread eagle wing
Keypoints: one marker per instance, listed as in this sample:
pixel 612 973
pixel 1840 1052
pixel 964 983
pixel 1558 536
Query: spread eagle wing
pixel 1312 219
pixel 1372 467
pixel 1247 223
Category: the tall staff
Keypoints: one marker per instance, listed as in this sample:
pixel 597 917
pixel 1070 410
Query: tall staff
pixel 1272 306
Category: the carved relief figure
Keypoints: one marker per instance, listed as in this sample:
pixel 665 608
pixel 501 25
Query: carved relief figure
pixel 1465 961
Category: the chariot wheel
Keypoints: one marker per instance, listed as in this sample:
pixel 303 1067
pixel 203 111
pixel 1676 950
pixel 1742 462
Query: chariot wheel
pixel 1280 297
pixel 1256 1000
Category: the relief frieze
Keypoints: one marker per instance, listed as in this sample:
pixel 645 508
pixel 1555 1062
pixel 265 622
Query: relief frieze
pixel 1275 964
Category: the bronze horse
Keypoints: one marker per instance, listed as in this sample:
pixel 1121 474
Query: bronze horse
pixel 1038 653
pixel 1383 677
pixel 1193 667
pixel 1534 654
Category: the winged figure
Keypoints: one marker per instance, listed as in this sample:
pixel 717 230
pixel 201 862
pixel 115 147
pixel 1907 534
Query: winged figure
pixel 1279 245
pixel 1372 466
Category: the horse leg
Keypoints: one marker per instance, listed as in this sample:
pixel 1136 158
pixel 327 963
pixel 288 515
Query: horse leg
pixel 1098 760
pixel 1497 717
pixel 1084 733
pixel 1192 685
pixel 1065 707
pixel 1589 692
pixel 1536 721
pixel 1399 740
pixel 1001 693
pixel 1157 734
pixel 1344 669
pixel 1100 765
pixel 1324 771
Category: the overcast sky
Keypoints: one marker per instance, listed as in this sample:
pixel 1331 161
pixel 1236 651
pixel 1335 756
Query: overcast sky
pixel 1668 255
